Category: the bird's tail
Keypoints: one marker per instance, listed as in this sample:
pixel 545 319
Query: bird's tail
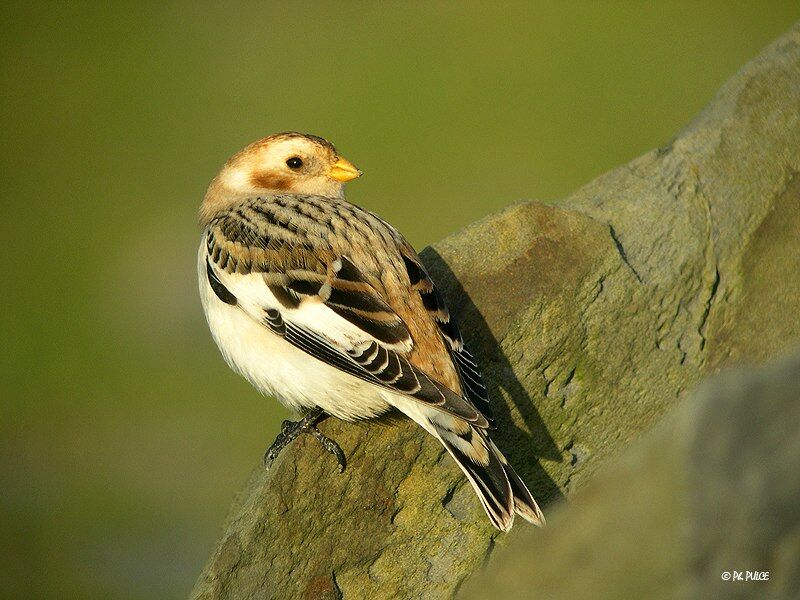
pixel 498 486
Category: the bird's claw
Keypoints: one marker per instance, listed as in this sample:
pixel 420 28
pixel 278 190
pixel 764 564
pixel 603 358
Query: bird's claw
pixel 308 424
pixel 330 446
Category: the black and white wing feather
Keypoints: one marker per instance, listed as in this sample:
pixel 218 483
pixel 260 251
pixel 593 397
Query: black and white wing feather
pixel 472 383
pixel 319 301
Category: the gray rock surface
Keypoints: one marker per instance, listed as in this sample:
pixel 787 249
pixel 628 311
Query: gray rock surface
pixel 591 317
pixel 714 489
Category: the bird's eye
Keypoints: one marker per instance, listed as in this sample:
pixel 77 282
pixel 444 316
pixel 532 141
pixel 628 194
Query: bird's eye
pixel 294 163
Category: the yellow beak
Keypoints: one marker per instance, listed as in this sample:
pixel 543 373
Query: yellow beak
pixel 343 170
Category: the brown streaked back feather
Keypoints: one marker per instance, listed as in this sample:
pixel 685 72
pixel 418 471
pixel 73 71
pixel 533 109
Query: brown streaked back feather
pixel 470 378
pixel 310 248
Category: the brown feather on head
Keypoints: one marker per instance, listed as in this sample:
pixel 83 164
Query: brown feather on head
pixel 289 162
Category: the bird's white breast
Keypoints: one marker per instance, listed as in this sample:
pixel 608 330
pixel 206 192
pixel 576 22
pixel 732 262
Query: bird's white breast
pixel 275 367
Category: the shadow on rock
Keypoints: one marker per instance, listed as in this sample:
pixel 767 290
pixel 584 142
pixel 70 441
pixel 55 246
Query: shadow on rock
pixel 523 449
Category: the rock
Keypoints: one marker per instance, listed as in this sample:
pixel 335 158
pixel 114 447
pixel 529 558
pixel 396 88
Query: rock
pixel 591 318
pixel 712 491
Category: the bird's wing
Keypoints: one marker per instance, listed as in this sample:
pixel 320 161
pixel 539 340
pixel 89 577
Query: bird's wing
pixel 276 262
pixel 472 384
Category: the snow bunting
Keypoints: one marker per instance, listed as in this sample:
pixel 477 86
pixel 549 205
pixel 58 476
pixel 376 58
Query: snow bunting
pixel 325 306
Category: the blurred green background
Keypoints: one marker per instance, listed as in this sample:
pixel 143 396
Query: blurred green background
pixel 123 435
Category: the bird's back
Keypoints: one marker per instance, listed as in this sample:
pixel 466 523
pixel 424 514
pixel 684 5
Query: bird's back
pixel 280 235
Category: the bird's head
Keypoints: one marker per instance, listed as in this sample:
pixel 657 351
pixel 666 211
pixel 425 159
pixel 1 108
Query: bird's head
pixel 293 163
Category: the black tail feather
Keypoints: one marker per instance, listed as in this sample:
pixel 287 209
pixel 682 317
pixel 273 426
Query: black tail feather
pixel 524 503
pixel 499 488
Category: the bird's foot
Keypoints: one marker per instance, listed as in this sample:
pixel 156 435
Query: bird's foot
pixel 308 424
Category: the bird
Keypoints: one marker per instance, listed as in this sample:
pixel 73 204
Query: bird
pixel 328 308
